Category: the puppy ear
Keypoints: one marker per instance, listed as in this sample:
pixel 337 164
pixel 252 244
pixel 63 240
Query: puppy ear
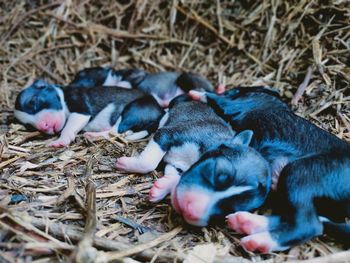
pixel 243 137
pixel 40 84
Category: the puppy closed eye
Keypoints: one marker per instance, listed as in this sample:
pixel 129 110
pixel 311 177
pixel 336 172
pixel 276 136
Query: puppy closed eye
pixel 33 103
pixel 223 181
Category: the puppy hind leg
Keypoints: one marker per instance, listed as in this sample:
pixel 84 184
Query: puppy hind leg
pixel 164 185
pixel 146 162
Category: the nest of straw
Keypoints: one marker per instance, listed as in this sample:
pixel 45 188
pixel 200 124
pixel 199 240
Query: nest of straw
pixel 71 205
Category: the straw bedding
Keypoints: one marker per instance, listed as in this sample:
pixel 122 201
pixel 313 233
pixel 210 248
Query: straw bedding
pixel 71 205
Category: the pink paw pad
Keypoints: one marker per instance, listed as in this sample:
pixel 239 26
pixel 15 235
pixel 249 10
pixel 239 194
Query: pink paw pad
pixel 57 144
pixel 123 163
pixel 161 188
pixel 91 135
pixel 247 223
pixel 261 242
pixel 156 194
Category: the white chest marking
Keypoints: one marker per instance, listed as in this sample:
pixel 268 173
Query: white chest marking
pixel 183 156
pixel 101 121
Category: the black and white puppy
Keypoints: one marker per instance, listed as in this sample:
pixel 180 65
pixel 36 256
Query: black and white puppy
pixel 163 86
pixel 310 169
pixel 185 132
pixel 189 130
pixel 53 109
pixel 231 177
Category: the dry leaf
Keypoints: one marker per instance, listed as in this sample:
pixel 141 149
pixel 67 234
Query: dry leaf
pixel 202 254
pixel 27 165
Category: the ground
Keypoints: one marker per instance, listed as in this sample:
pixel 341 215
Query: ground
pixel 300 47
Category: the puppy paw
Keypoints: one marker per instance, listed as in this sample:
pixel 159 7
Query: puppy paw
pixel 58 143
pixel 261 242
pixel 156 194
pixel 161 188
pixel 92 135
pixel 247 223
pixel 125 163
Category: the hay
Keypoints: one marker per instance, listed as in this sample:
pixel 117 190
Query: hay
pixel 300 47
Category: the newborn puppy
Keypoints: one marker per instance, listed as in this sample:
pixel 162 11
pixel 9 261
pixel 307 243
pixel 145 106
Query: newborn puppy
pixel 49 108
pixel 188 130
pixel 163 86
pixel 232 177
pixel 310 169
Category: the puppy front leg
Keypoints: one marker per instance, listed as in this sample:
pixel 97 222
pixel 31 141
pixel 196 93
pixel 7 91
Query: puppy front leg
pixel 75 123
pixel 134 136
pixel 101 134
pixel 146 162
pixel 165 184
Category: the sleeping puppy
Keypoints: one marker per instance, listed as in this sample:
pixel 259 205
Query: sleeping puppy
pixel 68 110
pixel 229 178
pixel 186 131
pixel 189 130
pixel 310 169
pixel 163 86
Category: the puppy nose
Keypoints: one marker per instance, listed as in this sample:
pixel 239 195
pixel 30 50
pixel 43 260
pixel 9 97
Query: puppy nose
pixel 191 204
pixel 192 211
pixel 44 126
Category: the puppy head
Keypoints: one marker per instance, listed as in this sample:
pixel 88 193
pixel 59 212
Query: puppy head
pixel 134 76
pixel 42 106
pixel 93 77
pixel 233 177
pixel 228 95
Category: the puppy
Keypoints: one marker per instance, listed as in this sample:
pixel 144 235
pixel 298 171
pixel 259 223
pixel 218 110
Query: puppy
pixel 310 170
pixel 68 110
pixel 231 177
pixel 163 86
pixel 186 131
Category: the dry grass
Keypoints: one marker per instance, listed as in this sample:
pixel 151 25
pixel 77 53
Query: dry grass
pixel 301 47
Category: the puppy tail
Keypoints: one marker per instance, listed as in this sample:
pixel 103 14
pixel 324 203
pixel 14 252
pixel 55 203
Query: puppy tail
pixel 339 231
